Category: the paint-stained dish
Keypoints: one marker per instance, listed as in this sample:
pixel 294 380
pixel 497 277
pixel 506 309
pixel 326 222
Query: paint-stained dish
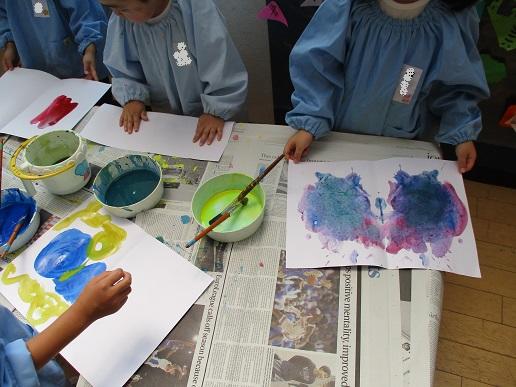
pixel 214 195
pixel 17 204
pixel 129 185
pixel 57 159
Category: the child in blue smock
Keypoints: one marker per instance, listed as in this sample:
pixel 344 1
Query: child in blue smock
pixel 384 67
pixel 26 357
pixel 64 38
pixel 177 57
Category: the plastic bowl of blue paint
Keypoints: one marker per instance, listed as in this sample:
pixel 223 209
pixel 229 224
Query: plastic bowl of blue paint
pixel 15 205
pixel 129 185
pixel 215 194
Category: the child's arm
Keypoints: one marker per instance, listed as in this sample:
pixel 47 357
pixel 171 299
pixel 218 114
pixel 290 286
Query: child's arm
pixel 105 294
pixel 20 360
pixel 128 83
pixel 461 86
pixel 220 67
pixel 88 23
pixel 10 57
pixel 317 72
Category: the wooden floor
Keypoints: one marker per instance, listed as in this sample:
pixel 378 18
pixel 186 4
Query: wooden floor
pixel 477 341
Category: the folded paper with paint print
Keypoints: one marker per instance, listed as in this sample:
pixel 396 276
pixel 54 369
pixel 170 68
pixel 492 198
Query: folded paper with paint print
pixel 39 102
pixel 394 213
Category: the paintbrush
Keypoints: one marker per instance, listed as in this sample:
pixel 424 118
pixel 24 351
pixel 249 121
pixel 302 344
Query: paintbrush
pixel 249 188
pixel 13 236
pixel 221 218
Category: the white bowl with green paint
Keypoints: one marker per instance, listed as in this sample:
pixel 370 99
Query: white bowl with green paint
pixel 215 194
pixel 129 185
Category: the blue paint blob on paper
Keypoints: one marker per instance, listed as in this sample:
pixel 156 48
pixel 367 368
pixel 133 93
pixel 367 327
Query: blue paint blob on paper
pixel 353 257
pixel 381 205
pixel 65 252
pixel 185 219
pixel 72 287
pixel 424 260
pixel 338 209
pixel 425 211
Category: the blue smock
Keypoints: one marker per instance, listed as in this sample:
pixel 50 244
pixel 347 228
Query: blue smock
pixel 55 41
pixel 357 69
pixel 16 364
pixel 181 62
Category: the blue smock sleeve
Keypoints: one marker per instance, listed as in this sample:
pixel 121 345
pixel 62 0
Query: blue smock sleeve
pixel 218 62
pixel 317 69
pixel 121 59
pixel 16 365
pixel 87 21
pixel 461 84
pixel 5 32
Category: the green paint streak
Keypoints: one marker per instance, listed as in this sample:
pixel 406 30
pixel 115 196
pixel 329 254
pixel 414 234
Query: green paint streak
pixel 42 305
pixel 161 161
pixel 70 273
pixel 495 70
pixel 503 25
pixel 89 215
pixel 107 242
pixel 241 218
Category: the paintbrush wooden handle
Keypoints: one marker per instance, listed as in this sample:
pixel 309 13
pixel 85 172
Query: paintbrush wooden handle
pixel 12 238
pixel 208 229
pixel 256 181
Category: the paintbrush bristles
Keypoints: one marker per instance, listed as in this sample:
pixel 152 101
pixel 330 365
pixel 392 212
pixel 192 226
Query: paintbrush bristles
pixel 12 238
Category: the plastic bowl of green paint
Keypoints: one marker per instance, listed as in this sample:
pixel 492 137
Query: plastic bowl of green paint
pixel 129 185
pixel 214 195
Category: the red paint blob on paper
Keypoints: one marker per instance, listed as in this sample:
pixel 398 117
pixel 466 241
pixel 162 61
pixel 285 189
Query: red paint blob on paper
pixel 55 112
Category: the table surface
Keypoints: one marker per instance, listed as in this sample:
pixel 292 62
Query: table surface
pixel 367 325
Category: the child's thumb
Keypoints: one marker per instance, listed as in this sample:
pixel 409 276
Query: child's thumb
pixel 462 161
pixel 299 152
pixel 144 116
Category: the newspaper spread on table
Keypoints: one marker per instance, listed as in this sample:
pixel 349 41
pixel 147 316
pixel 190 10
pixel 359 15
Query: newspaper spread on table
pixel 260 324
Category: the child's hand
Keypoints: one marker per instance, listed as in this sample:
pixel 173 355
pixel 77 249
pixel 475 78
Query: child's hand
pixel 466 156
pixel 134 112
pixel 90 63
pixel 105 294
pixel 208 128
pixel 298 145
pixel 10 60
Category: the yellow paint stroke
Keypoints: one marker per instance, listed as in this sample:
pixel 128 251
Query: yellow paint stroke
pixel 161 161
pixel 42 305
pixel 107 242
pixel 89 215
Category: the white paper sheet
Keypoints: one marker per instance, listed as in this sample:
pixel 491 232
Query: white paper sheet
pixel 33 91
pixel 164 134
pixel 386 213
pixel 16 97
pixel 164 287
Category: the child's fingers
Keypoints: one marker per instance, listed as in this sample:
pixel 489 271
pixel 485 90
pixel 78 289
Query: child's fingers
pixel 204 136
pixel 220 132
pixel 93 72
pixel 198 133
pixel 144 116
pixel 462 162
pixel 121 120
pixel 136 122
pixel 211 136
pixel 298 153
pixel 289 150
pixel 112 277
pixel 128 124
